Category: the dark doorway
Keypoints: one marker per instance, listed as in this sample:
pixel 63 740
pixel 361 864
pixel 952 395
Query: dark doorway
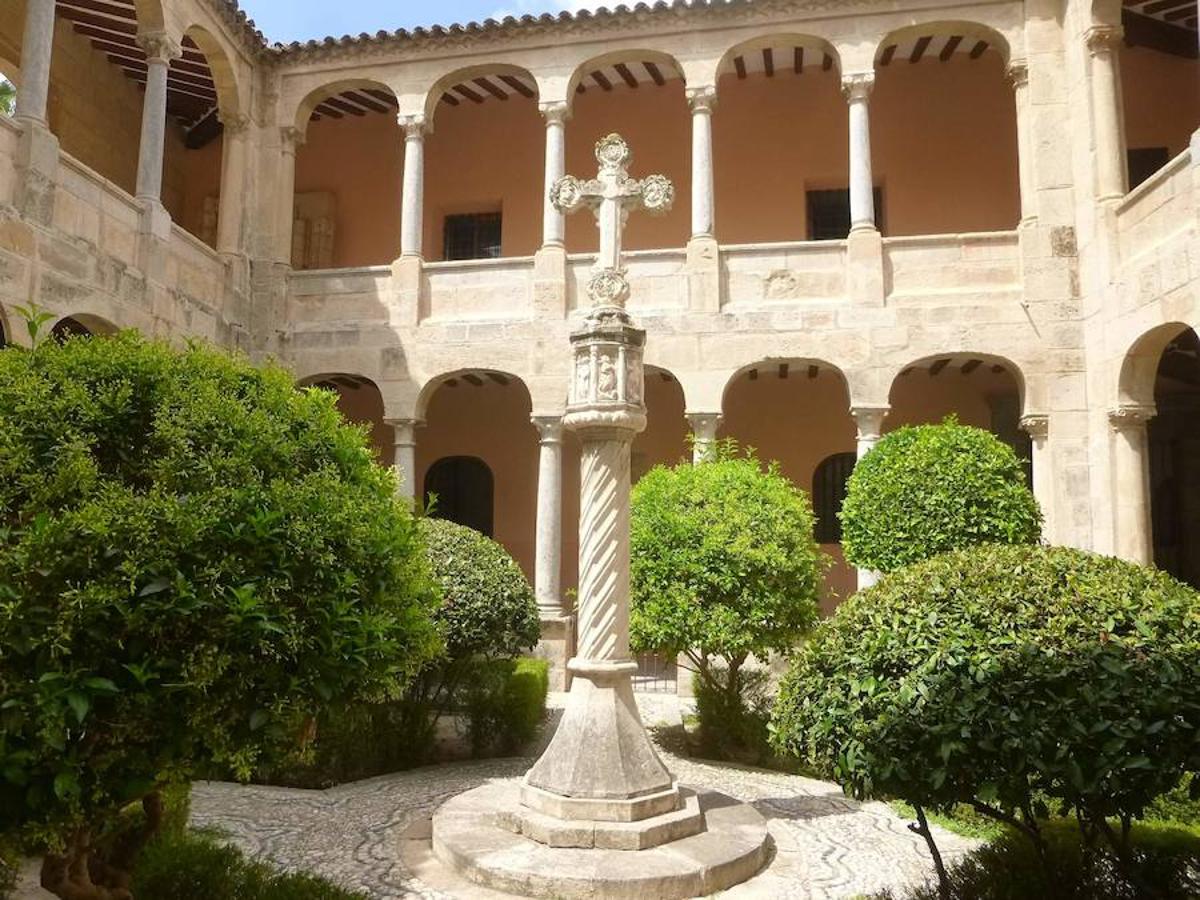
pixel 1175 460
pixel 461 489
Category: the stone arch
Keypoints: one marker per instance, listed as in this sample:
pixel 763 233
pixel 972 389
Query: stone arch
pixel 667 65
pixel 466 76
pixel 665 438
pixel 82 323
pixel 773 40
pixel 1139 366
pixel 966 30
pixel 360 401
pixel 968 364
pixel 431 386
pixel 229 98
pixel 321 93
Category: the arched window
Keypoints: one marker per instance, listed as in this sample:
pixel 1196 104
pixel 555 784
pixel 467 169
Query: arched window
pixel 464 490
pixel 70 327
pixel 829 490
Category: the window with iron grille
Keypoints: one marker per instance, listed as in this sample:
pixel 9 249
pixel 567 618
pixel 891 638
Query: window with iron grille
pixel 829 490
pixel 461 489
pixel 472 236
pixel 829 214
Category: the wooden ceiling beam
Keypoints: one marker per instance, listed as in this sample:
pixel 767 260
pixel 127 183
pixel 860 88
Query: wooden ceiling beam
pixel 655 73
pixel 339 103
pixel 1153 34
pixel 486 83
pixel 798 61
pixel 519 86
pixel 769 61
pixel 363 100
pixel 468 93
pixel 979 49
pixel 385 97
pixel 450 99
pixel 601 79
pixel 951 48
pixel 885 58
pixel 739 65
pixel 626 75
pixel 920 47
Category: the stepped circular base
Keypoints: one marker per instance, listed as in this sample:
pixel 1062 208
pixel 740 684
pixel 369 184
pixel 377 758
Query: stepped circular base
pixel 472 834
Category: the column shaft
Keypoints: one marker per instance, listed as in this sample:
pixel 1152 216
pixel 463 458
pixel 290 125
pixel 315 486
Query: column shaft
pixel 404 460
pixel 604 550
pixel 290 140
pixel 554 223
pixel 548 553
pixel 160 50
pixel 702 101
pixel 233 184
pixel 857 89
pixel 1111 177
pixel 37 47
pixel 1038 429
pixel 869 420
pixel 1131 483
pixel 413 202
pixel 1018 75
pixel 704 434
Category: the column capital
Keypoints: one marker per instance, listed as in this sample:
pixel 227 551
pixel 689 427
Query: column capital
pixel 1130 416
pixel 1103 39
pixel 702 99
pixel 1018 73
pixel 555 113
pixel 549 428
pixel 857 86
pixel 159 46
pixel 291 138
pixel 1036 425
pixel 405 431
pixel 869 420
pixel 234 124
pixel 704 423
pixel 415 127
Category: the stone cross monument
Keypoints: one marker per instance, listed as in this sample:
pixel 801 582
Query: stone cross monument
pixel 600 764
pixel 599 815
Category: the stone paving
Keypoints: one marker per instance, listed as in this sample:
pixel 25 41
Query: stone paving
pixel 826 845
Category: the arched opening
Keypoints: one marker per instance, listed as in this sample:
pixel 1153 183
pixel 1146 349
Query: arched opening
pixel 980 390
pixel 461 489
pixel 640 95
pixel 829 492
pixel 480 203
pixel 81 325
pixel 484 415
pixel 665 439
pixel 1174 438
pixel 346 208
pixel 1160 83
pixel 360 403
pixel 795 412
pixel 785 91
pixel 201 97
pixel 944 131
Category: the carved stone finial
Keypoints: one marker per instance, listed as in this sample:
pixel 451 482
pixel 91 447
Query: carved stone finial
pixel 702 99
pixel 857 86
pixel 1103 38
pixel 1131 415
pixel 158 46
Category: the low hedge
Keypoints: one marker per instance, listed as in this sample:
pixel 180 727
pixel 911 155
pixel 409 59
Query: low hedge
pixel 505 706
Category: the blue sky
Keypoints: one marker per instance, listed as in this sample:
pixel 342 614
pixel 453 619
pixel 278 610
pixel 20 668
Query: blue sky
pixel 300 20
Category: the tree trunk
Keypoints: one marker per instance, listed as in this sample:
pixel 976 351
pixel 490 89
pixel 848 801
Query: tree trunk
pixel 69 875
pixel 922 828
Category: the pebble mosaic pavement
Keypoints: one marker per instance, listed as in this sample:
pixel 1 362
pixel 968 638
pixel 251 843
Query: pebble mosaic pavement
pixel 826 845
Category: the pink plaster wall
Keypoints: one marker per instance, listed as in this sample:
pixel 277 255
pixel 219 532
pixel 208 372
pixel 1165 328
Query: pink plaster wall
pixel 1162 99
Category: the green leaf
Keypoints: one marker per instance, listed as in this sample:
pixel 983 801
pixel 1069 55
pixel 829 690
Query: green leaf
pixel 66 785
pixel 79 704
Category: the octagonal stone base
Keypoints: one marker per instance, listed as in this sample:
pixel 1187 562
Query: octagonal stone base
pixel 472 834
pixel 604 834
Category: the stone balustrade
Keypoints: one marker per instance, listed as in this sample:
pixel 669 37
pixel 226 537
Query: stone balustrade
pixel 657 280
pixel 479 289
pixel 764 275
pixel 942 267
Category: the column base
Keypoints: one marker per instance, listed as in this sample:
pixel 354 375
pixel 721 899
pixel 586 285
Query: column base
pixel 557 646
pixel 704 274
pixel 550 296
pixel 408 290
pixel 866 283
pixel 601 751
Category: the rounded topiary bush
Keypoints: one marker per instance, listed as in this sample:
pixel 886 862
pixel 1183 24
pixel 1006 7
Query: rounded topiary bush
pixel 195 557
pixel 927 489
pixel 488 608
pixel 999 675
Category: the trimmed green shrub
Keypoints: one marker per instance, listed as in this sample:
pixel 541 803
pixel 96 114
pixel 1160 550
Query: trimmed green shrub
pixel 504 702
pixel 927 489
pixel 724 566
pixel 1008 678
pixel 195 558
pixel 1163 863
pixel 200 866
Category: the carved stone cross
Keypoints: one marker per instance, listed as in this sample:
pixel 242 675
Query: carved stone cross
pixel 612 195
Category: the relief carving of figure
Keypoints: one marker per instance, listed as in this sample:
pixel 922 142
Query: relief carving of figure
pixel 633 381
pixel 583 379
pixel 606 382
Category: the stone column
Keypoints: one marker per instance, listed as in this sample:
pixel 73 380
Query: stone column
pixel 702 101
pixel 704 434
pixel 404 460
pixel 1104 42
pixel 857 89
pixel 1018 76
pixel 548 555
pixel 160 50
pixel 412 221
pixel 37 46
pixel 1037 426
pixel 290 140
pixel 1131 483
pixel 554 223
pixel 233 184
pixel 869 420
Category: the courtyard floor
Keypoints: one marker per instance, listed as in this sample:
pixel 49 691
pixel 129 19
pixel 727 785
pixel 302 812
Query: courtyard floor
pixel 826 845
